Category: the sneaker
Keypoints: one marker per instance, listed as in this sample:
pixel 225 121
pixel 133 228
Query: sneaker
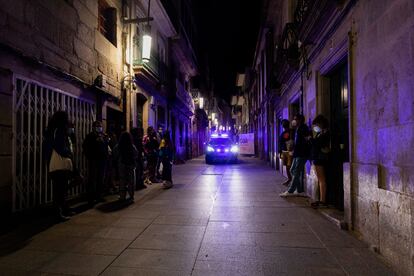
pixel 167 185
pixel 286 194
pixel 315 204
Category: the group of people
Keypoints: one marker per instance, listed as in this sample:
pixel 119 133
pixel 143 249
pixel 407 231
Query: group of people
pixel 297 144
pixel 131 161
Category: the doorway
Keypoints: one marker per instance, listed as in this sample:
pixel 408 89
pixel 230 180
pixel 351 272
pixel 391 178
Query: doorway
pixel 115 122
pixel 141 99
pixel 339 129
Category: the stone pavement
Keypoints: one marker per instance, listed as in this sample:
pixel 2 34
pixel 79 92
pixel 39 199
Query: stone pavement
pixel 217 220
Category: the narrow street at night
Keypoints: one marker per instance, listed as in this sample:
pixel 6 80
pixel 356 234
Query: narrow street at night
pixel 217 220
pixel 207 137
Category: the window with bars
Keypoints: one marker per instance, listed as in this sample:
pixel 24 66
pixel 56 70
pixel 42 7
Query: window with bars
pixel 107 21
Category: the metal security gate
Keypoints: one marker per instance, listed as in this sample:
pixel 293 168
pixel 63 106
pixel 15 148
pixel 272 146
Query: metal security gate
pixel 33 106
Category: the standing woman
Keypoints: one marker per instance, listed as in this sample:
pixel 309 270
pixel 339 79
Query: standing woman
pixel 285 148
pixel 137 136
pixel 320 155
pixel 166 156
pixel 59 153
pixel 151 146
pixel 125 154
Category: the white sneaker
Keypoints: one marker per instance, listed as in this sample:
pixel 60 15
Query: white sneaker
pixel 302 194
pixel 167 184
pixel 286 194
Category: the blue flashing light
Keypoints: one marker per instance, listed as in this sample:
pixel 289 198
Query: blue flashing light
pixel 217 135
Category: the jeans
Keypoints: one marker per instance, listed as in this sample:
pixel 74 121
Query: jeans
pixel 127 181
pixel 152 165
pixel 96 175
pixel 166 170
pixel 297 169
pixel 60 181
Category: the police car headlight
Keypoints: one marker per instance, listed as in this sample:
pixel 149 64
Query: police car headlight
pixel 210 149
pixel 234 149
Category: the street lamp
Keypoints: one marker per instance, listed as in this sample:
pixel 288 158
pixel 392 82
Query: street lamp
pixel 146 39
pixel 146 45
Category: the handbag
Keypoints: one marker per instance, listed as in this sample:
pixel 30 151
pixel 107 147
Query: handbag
pixel 59 163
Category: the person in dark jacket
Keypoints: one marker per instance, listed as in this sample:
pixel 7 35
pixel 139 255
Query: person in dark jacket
pixel 125 154
pixel 137 136
pixel 96 150
pixel 285 148
pixel 320 155
pixel 166 156
pixel 59 160
pixel 160 134
pixel 301 153
pixel 151 147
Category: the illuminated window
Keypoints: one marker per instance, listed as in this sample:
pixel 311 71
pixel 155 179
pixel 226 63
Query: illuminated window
pixel 107 21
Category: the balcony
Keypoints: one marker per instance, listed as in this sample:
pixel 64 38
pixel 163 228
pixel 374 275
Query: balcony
pixel 150 68
pixel 154 70
pixel 183 95
pixel 311 19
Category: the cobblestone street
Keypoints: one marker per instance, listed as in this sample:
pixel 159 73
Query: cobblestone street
pixel 216 220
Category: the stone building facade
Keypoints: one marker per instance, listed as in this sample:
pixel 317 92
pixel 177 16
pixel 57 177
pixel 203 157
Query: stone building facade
pixel 84 57
pixel 351 61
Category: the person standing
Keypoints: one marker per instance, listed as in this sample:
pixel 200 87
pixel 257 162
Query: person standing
pixel 300 155
pixel 111 177
pixel 151 146
pixel 125 154
pixel 166 156
pixel 59 153
pixel 96 150
pixel 285 149
pixel 320 156
pixel 137 136
pixel 160 133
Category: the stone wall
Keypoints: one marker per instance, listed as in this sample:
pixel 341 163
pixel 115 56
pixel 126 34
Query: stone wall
pixel 63 34
pixel 384 128
pixel 379 183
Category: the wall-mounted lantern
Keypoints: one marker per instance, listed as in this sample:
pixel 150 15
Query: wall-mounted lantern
pixel 146 38
pixel 201 103
pixel 146 44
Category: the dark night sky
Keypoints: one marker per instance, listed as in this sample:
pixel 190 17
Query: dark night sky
pixel 228 33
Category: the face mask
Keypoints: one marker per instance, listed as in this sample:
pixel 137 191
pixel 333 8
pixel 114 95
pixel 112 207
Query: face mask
pixel 317 129
pixel 294 123
pixel 98 129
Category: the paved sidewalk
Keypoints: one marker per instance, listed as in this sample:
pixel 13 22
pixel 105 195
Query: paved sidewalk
pixel 217 220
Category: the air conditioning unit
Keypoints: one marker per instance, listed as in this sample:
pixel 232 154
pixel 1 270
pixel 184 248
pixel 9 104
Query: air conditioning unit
pixel 100 81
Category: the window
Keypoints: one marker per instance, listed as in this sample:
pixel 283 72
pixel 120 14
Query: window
pixel 107 21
